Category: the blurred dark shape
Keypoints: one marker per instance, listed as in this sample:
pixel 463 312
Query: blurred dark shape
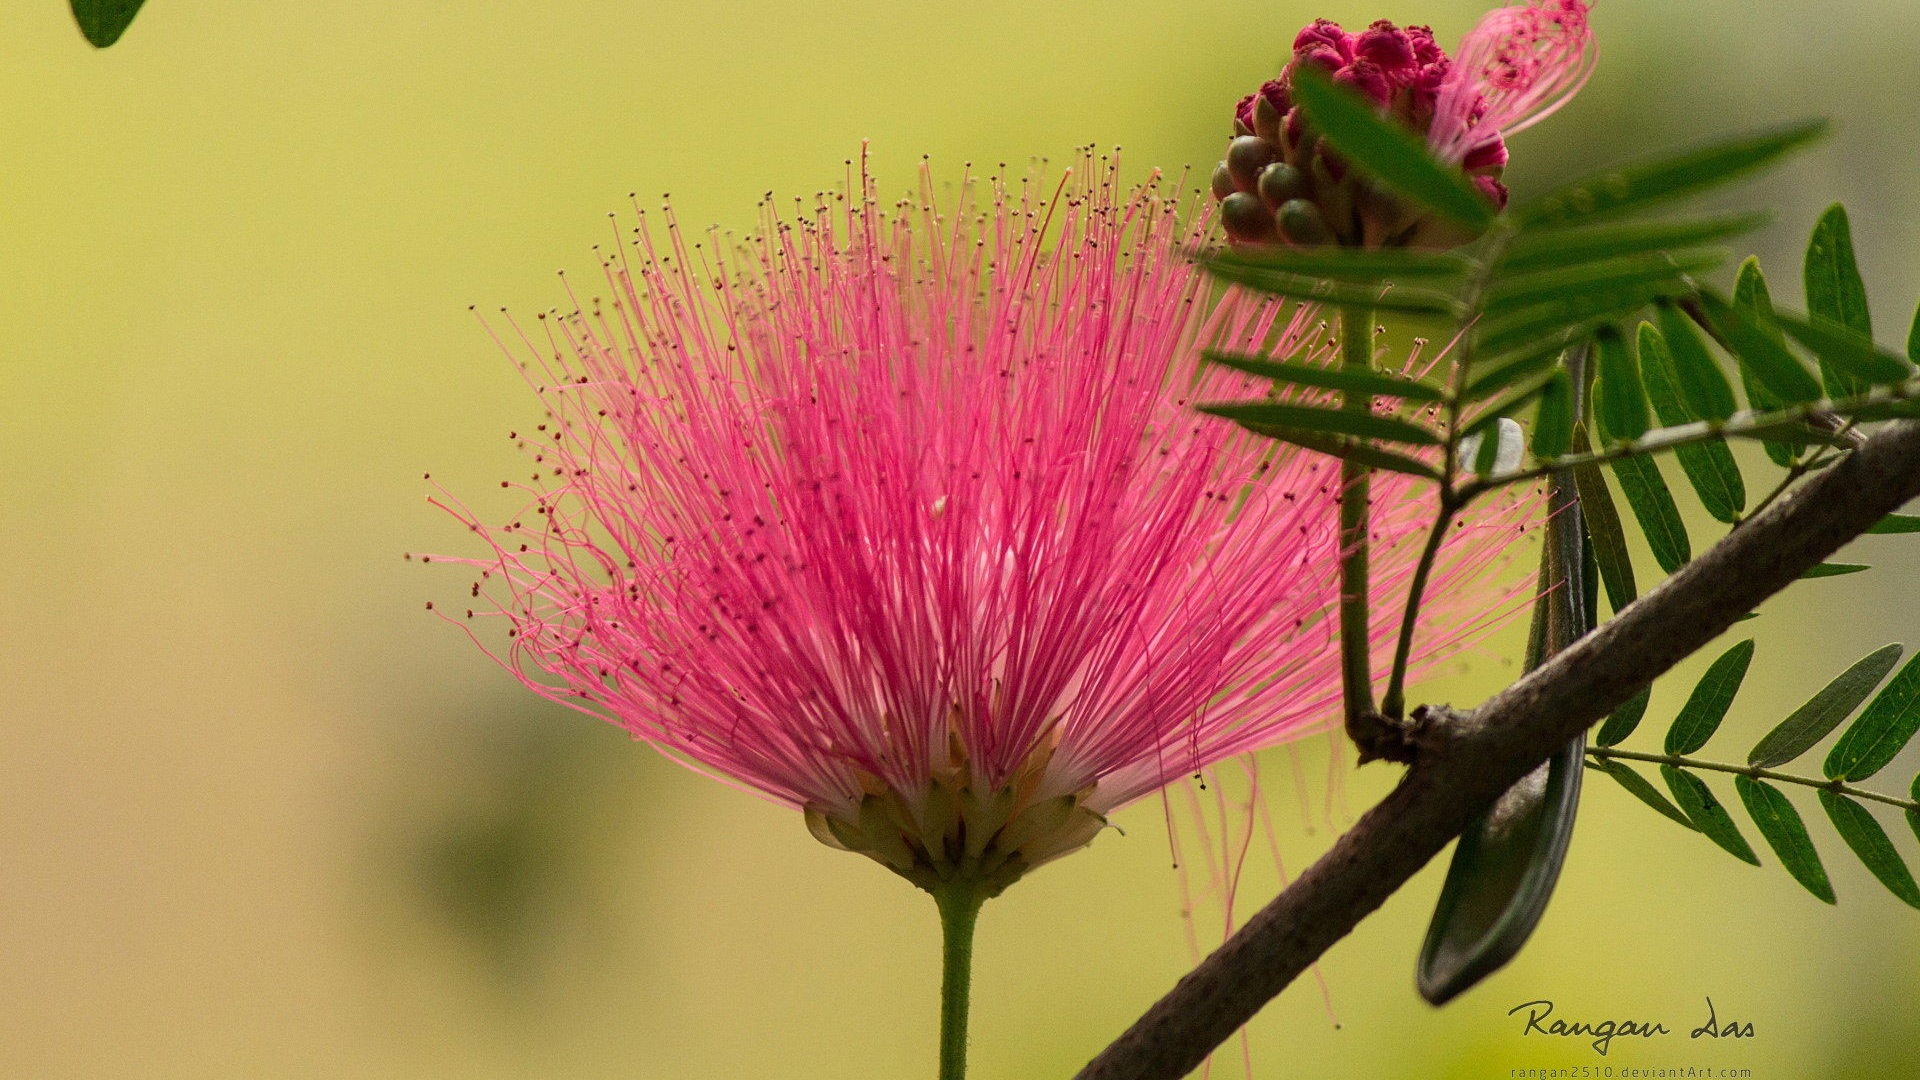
pixel 507 835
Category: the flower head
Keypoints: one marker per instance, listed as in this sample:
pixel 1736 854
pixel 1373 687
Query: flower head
pixel 902 518
pixel 1280 183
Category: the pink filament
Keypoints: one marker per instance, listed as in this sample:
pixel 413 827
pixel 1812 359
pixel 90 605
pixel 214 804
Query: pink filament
pixel 886 482
pixel 1514 69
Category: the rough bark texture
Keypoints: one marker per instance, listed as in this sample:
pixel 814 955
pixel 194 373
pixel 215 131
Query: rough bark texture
pixel 1466 760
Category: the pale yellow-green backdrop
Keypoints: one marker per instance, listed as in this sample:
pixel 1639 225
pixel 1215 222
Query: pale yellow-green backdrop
pixel 262 816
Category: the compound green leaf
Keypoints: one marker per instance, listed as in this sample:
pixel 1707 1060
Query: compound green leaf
pixel 1709 466
pixel 1559 248
pixel 1825 710
pixel 1702 384
pixel 1750 296
pixel 1780 824
pixel 1835 294
pixel 1322 377
pixel 1357 265
pixel 1639 788
pixel 1849 362
pixel 1348 449
pixel 1870 842
pixel 1609 539
pixel 1319 290
pixel 1699 804
pixel 1700 717
pixel 1620 398
pixel 1654 509
pixel 1634 187
pixel 1611 283
pixel 1883 728
pixel 1553 423
pixel 1365 425
pixel 1763 355
pixel 1623 720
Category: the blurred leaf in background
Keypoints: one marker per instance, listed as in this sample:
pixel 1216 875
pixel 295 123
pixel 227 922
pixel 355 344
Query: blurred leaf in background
pixel 103 21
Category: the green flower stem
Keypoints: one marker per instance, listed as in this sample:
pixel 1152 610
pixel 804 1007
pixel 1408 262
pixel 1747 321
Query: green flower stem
pixel 1356 351
pixel 1679 762
pixel 959 904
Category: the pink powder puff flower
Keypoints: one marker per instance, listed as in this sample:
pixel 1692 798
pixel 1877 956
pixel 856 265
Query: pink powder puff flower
pixel 1517 66
pixel 901 517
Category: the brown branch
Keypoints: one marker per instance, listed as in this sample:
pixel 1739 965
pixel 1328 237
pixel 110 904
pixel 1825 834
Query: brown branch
pixel 1466 760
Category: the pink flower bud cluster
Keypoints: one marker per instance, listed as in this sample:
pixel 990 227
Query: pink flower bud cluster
pixel 1281 183
pixel 1400 70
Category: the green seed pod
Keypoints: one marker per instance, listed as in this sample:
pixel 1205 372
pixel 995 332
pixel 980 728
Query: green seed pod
pixel 1222 181
pixel 1301 223
pixel 1247 219
pixel 1246 156
pixel 1281 183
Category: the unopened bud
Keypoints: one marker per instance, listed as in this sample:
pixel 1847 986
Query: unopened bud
pixel 1366 78
pixel 1324 33
pixel 1301 223
pixel 1280 183
pixel 1246 156
pixel 1488 157
pixel 1222 181
pixel 1324 57
pixel 1385 45
pixel 1425 49
pixel 1267 115
pixel 1247 219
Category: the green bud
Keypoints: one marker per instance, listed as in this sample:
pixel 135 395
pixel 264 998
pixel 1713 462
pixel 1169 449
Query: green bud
pixel 1246 156
pixel 1281 183
pixel 1247 219
pixel 1222 181
pixel 1266 119
pixel 1302 223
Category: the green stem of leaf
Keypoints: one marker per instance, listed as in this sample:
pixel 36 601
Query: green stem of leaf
pixel 1834 415
pixel 1682 762
pixel 1795 473
pixel 1798 469
pixel 1451 502
pixel 1395 702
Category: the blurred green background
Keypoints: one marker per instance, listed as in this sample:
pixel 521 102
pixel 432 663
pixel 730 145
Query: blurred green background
pixel 262 816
